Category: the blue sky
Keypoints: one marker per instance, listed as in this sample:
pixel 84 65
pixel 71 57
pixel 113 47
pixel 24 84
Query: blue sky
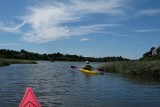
pixel 96 28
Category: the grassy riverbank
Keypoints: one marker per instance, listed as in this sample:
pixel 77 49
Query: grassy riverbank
pixel 6 62
pixel 145 69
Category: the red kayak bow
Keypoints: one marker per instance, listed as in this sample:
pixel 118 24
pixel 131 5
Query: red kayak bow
pixel 29 99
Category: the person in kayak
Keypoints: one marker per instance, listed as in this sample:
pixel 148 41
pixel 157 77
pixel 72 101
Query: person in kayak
pixel 87 66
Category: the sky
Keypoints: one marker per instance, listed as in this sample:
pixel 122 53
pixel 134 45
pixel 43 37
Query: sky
pixel 91 28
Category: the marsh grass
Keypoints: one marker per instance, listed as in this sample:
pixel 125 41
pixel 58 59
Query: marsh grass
pixel 133 68
pixel 5 62
pixel 15 61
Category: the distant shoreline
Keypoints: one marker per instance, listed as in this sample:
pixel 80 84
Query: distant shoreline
pixel 25 55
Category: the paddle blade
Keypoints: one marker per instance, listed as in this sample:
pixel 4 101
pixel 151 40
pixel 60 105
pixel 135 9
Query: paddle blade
pixel 74 66
pixel 29 99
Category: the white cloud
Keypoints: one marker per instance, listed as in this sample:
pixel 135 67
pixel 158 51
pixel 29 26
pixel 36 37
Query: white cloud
pixel 148 12
pixel 146 30
pixel 98 6
pixel 113 34
pixel 46 21
pixel 53 21
pixel 6 44
pixel 10 27
pixel 84 39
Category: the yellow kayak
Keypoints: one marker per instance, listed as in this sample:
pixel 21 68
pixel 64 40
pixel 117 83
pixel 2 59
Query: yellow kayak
pixel 88 71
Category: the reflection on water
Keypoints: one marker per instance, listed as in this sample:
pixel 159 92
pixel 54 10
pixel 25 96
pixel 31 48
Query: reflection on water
pixel 57 85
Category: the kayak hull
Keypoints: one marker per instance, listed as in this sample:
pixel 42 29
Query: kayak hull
pixel 29 99
pixel 88 71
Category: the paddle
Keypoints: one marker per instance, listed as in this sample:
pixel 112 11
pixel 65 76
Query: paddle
pixel 81 67
pixel 74 66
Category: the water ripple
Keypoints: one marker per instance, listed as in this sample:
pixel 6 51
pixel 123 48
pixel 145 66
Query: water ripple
pixel 57 85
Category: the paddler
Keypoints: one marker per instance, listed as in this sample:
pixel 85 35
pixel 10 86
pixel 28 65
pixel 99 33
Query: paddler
pixel 87 66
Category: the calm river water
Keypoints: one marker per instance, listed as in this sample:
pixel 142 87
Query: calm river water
pixel 57 85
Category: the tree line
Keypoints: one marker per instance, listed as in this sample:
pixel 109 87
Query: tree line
pixel 23 54
pixel 148 56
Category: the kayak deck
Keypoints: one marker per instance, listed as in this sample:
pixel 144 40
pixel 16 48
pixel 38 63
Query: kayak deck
pixel 88 71
pixel 29 99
